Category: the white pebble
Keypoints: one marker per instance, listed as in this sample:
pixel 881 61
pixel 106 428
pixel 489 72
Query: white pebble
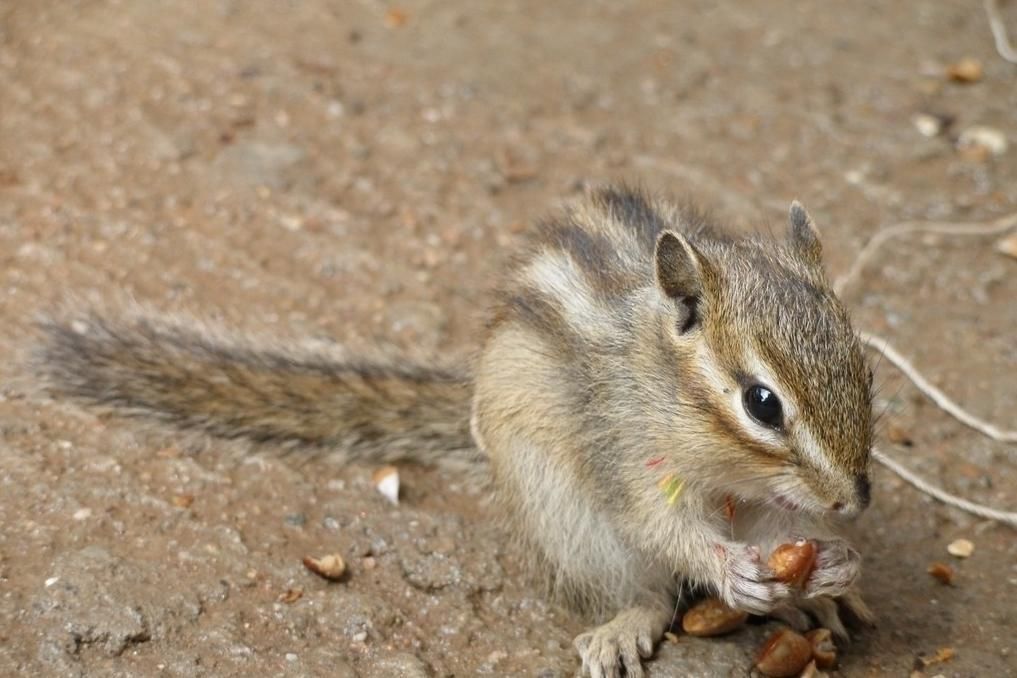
pixel 52 580
pixel 334 109
pixel 83 514
pixel 927 125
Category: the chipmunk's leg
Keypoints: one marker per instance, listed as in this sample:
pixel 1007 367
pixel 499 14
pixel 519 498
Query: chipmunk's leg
pixel 794 616
pixel 623 642
pixel 826 612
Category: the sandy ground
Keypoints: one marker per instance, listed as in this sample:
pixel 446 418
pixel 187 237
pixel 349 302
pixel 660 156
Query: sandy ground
pixel 356 171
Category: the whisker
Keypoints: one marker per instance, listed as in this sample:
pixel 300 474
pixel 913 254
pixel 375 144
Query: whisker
pixel 677 602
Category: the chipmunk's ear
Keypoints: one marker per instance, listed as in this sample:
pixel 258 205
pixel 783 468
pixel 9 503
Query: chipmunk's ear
pixel 679 274
pixel 803 235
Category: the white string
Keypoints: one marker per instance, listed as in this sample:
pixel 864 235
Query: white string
pixel 1008 517
pixel 942 400
pixel 1000 225
pixel 998 29
pixel 937 396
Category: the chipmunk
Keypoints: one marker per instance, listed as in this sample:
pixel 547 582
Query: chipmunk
pixel 632 346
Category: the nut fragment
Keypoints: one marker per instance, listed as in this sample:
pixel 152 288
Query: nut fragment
pixel 943 654
pixel 290 596
pixel 711 617
pixel 785 654
pixel 793 563
pixel 962 548
pixel 824 652
pixel 386 479
pixel 942 572
pixel 395 17
pixel 898 435
pixel 331 567
pixel 1008 246
pixel 989 139
pixel 965 70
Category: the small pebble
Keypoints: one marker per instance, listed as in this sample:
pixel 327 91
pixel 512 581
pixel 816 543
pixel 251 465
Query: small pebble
pixel 83 514
pixel 927 125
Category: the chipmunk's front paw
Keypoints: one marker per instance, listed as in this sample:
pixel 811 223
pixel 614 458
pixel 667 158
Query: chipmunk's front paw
pixel 837 568
pixel 622 642
pixel 747 583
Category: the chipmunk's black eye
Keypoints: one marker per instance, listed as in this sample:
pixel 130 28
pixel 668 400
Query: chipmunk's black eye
pixel 763 406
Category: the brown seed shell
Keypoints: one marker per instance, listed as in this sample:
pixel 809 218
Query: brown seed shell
pixel 943 573
pixel 824 652
pixel 712 617
pixel 785 654
pixel 967 69
pixel 793 563
pixel 961 548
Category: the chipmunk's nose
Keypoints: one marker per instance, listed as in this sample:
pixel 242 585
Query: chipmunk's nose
pixel 860 500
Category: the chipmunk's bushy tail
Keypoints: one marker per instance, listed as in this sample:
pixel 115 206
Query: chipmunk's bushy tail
pixel 189 376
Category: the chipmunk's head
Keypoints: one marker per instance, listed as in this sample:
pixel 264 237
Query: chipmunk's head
pixel 776 376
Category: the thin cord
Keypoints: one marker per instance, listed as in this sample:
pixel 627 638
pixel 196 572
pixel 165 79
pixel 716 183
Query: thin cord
pixel 1008 517
pixel 942 400
pixel 1000 225
pixel 998 29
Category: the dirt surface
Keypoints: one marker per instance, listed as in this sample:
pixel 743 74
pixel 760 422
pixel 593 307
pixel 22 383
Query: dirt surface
pixel 355 171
